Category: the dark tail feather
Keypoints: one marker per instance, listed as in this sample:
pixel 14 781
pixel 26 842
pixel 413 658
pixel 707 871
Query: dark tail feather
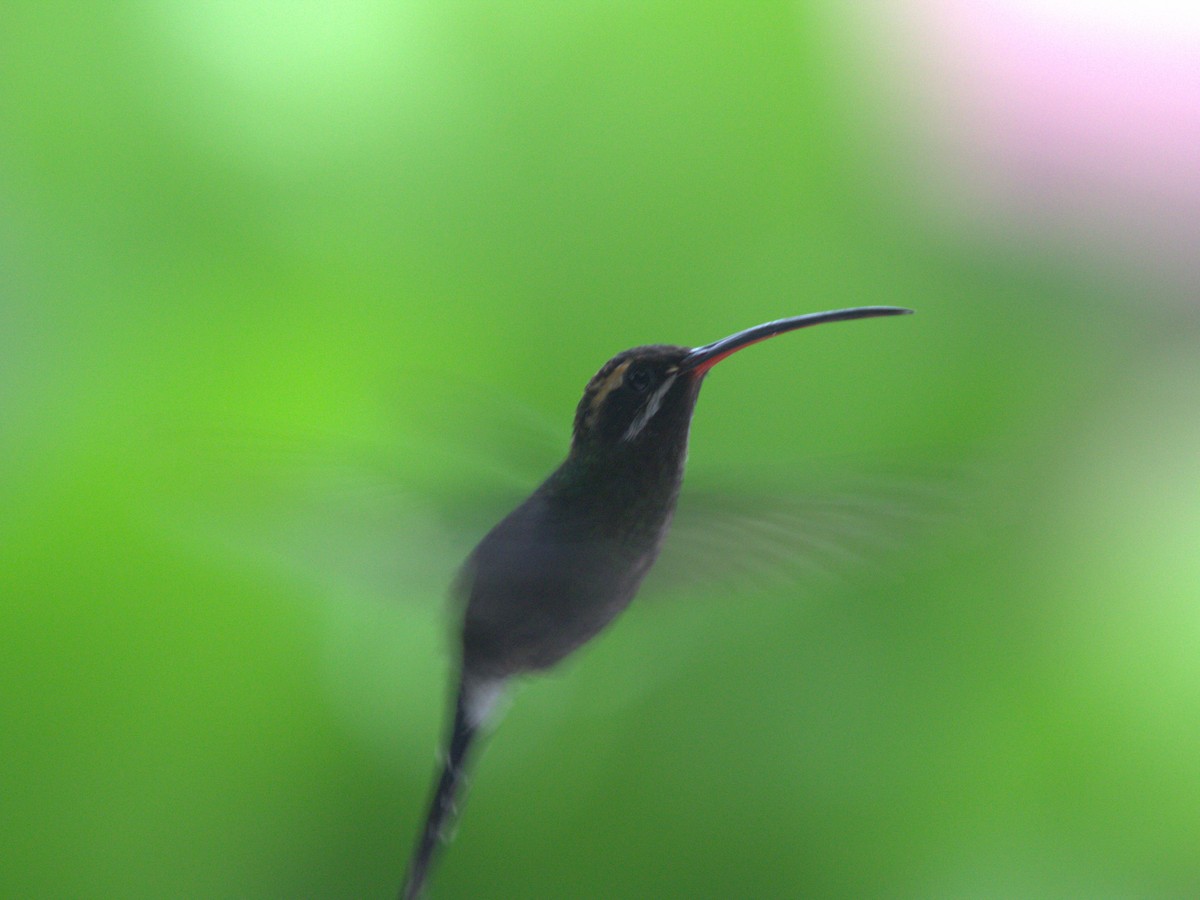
pixel 442 807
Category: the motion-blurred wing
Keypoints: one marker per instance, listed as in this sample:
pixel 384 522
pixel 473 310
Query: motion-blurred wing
pixel 728 539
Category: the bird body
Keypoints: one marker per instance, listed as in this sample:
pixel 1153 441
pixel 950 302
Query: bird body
pixel 565 562
pixel 561 566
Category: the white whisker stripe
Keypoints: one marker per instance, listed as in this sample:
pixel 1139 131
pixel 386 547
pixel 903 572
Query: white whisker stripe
pixel 652 404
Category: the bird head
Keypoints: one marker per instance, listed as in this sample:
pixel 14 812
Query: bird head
pixel 644 397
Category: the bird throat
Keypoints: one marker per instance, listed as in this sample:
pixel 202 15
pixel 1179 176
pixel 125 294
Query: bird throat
pixel 626 494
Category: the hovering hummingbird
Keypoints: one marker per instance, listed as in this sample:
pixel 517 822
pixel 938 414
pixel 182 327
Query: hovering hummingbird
pixel 561 566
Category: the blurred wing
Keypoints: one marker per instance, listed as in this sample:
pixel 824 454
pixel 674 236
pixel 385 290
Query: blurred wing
pixel 372 512
pixel 743 540
pixel 346 533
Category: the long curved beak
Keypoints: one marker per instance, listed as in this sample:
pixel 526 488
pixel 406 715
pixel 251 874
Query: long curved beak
pixel 704 358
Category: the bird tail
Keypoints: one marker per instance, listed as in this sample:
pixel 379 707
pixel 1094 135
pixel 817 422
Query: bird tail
pixel 471 706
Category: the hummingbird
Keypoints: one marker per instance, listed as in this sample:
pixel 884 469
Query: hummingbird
pixel 560 567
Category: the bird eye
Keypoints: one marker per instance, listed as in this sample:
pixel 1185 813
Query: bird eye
pixel 639 380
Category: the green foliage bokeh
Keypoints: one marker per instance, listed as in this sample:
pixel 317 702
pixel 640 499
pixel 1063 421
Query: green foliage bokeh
pixel 295 298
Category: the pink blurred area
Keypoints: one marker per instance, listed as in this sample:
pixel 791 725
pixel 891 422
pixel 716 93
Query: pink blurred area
pixel 1071 121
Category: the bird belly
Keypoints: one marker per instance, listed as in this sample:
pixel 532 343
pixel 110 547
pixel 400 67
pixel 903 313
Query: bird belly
pixel 529 616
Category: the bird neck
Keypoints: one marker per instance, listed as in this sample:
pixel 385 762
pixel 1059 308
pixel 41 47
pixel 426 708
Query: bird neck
pixel 634 482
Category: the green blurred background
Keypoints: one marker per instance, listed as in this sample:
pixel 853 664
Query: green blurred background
pixel 295 298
